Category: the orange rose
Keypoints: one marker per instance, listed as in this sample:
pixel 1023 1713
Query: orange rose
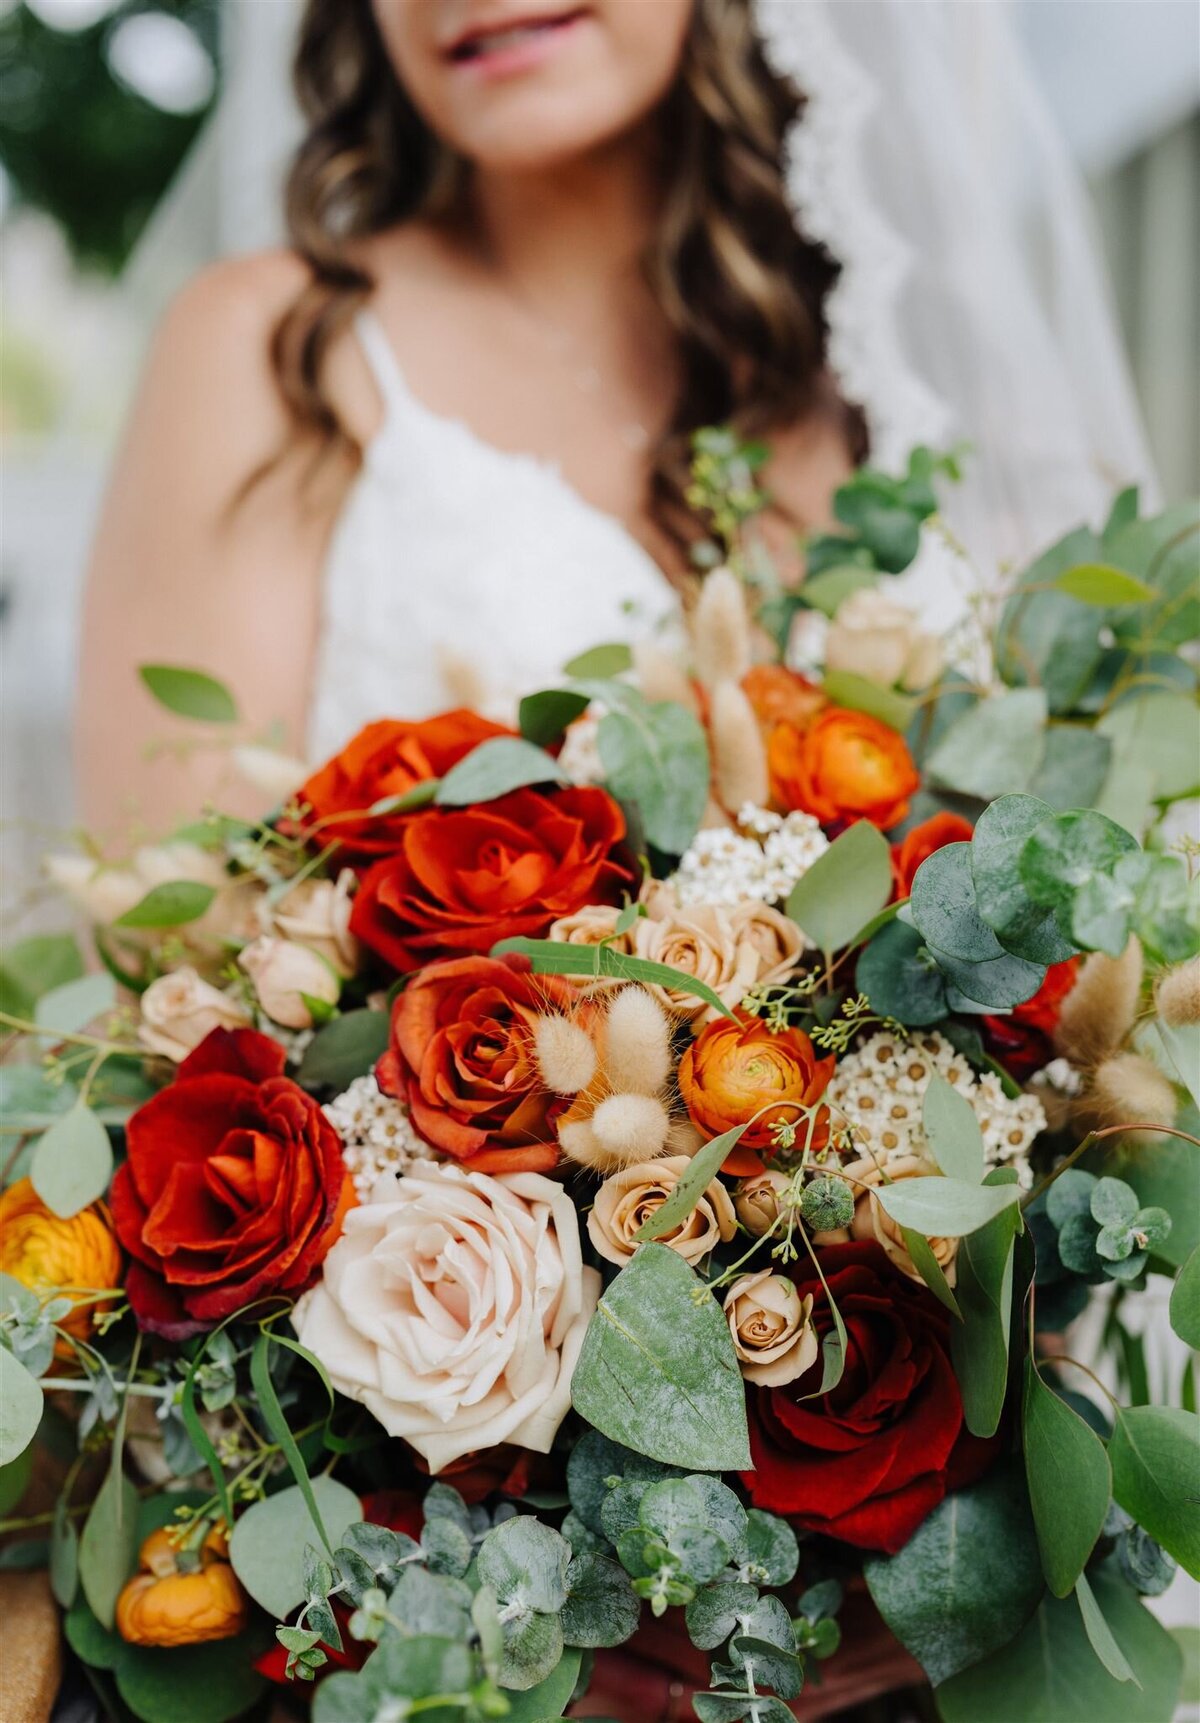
pixel 50 1255
pixel 845 766
pixel 923 841
pixel 182 1597
pixel 780 695
pixel 737 1067
pixel 384 759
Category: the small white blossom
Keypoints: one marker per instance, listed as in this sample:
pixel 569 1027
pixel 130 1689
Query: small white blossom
pixel 758 863
pixel 878 1090
pixel 377 1134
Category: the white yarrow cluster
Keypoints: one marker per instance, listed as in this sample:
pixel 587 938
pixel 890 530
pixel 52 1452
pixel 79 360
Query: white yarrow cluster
pixel 377 1135
pixel 879 1090
pixel 760 862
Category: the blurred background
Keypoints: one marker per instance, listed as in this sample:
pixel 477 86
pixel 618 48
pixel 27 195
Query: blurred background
pixel 103 140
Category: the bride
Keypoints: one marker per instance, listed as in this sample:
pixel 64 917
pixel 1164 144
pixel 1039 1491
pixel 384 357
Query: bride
pixel 440 442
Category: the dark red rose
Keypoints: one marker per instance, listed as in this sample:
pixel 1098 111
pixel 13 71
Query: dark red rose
pixel 867 1462
pixel 233 1187
pixel 921 842
pixel 462 878
pixel 462 1058
pixel 388 758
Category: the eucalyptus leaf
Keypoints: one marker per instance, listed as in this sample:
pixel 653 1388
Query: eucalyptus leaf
pixel 550 1697
pixel 994 748
pixel 558 957
pixel 1024 927
pixel 1155 1455
pixel 941 1207
pixel 495 768
pixel 64 1556
pixel 1158 733
pixel 344 1049
pixel 20 1407
pixel 73 1162
pixel 522 1559
pixel 1100 1634
pixel 703 1168
pixel 860 694
pixel 175 903
pixel 1074 767
pixel 1101 584
pixel 1070 1482
pixel 901 978
pixel 72 1006
pixel 269 1538
pixel 952 1131
pixel 108 1545
pixel 35 966
pixel 543 717
pixel 657 1371
pixel 601 1607
pixel 1185 1302
pixel 844 889
pixel 979 1343
pixel 190 693
pixel 655 756
pixel 608 660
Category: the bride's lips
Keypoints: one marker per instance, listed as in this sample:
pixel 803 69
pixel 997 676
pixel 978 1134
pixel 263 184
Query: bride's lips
pixel 507 46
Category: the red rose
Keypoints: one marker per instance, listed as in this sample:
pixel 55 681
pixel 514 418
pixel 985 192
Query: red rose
pixel 233 1187
pixel 1020 1040
pixel 462 878
pixel 866 1462
pixel 387 758
pixel 461 1056
pixel 921 842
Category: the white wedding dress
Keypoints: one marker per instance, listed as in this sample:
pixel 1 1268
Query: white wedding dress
pixel 458 569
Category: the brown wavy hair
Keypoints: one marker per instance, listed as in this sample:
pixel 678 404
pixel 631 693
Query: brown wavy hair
pixel 741 288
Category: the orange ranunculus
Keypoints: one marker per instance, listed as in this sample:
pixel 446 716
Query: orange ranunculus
pixel 50 1255
pixel 737 1066
pixel 387 758
pixel 919 844
pixel 778 694
pixel 182 1597
pixel 845 766
pixel 463 878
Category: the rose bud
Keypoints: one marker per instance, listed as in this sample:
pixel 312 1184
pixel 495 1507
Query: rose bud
pixel 771 1328
pixel 283 974
pixel 180 1009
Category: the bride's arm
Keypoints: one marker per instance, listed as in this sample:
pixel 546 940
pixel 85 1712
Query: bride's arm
pixel 187 569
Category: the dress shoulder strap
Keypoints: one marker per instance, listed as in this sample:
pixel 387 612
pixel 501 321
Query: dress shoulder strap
pixel 381 361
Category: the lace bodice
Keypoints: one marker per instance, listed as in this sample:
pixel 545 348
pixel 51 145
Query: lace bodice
pixel 459 571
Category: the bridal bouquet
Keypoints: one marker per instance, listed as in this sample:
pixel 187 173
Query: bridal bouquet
pixel 661 1161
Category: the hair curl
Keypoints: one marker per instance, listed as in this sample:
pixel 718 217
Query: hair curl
pixel 742 290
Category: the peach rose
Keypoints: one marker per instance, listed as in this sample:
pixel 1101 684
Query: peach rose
pixel 285 976
pixel 104 892
pixel 871 1221
pixel 50 1255
pixel 757 1200
pixel 845 766
pixel 738 1067
pixel 316 914
pixel 877 638
pixel 629 1197
pixel 180 1009
pixel 771 1328
pixel 454 1308
pixel 729 949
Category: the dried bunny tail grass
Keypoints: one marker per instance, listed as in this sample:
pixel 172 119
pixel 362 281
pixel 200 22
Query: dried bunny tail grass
pixel 660 678
pixel 1177 995
pixel 739 756
pixel 566 1055
pixel 637 1043
pixel 1099 1011
pixel 629 1129
pixel 579 1143
pixel 721 630
pixel 683 1138
pixel 1126 1090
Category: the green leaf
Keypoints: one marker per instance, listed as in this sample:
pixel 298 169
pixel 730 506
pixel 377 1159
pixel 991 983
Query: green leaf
pixel 773 1547
pixel 400 1668
pixel 268 1542
pixel 172 904
pixel 830 588
pixel 1158 733
pixel 35 966
pixel 523 1559
pixel 108 1546
pixel 929 1268
pixel 29 1101
pixel 347 1048
pixel 658 1372
pixel 941 1207
pixel 944 909
pixel 73 1005
pixel 557 957
pixel 713 1613
pixel 900 977
pixel 996 984
pixel 1050 1673
pixel 549 1698
pixel 278 1427
pixel 967 1580
pixel 494 768
pixel 1181 1044
pixel 845 688
pixel 979 1344
pixel 72 1162
pixel 1100 1634
pixel 1070 1483
pixel 190 693
pixel 655 756
pixel 705 1164
pixel 1066 852
pixel 608 660
pixel 1074 767
pixel 1155 1455
pixel 1101 584
pixel 20 1407
pixel 993 749
pixel 1185 1302
pixel 952 1131
pixel 64 1556
pixel 1001 896
pixel 1047 638
pixel 533 1646
pixel 601 1607
pixel 543 717
pixel 844 888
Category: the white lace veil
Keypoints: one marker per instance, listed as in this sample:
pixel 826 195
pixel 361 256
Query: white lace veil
pixel 971 307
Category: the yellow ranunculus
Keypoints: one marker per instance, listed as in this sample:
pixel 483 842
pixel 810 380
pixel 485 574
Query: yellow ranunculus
pixel 48 1254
